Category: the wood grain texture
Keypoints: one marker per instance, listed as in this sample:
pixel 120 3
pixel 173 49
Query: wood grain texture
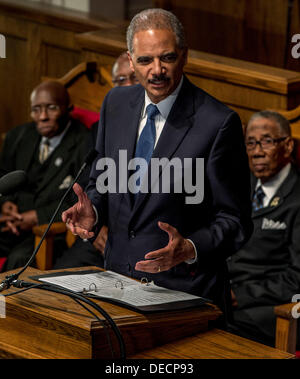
pixel 213 344
pixel 40 42
pixel 250 30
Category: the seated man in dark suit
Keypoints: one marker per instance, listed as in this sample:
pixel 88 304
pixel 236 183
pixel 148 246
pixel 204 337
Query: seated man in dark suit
pixel 266 271
pixel 84 253
pixel 51 150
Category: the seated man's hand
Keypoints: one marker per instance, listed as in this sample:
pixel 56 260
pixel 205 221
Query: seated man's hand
pixel 26 222
pixel 80 218
pixel 10 216
pixel 177 251
pixel 10 209
pixel 29 220
pixel 101 239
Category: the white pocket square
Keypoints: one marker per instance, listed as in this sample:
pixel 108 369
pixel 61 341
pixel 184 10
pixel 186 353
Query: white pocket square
pixel 66 183
pixel 271 224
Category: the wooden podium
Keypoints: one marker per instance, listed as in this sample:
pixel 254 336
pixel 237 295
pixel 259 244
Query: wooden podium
pixel 41 324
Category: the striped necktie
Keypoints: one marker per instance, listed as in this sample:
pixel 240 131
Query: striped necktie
pixel 44 151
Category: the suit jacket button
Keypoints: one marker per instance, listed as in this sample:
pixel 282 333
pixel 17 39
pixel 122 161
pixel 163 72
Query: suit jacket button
pixel 132 234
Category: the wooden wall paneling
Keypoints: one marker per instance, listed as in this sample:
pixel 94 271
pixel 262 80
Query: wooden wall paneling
pixel 292 63
pixel 251 30
pixel 13 77
pixel 40 42
pixel 61 51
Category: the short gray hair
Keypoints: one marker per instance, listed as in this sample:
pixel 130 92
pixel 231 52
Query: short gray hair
pixel 155 18
pixel 280 120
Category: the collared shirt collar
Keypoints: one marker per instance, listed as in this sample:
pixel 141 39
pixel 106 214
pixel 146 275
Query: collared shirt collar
pixel 56 140
pixel 165 105
pixel 271 186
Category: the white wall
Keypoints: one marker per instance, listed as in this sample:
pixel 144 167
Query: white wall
pixel 80 5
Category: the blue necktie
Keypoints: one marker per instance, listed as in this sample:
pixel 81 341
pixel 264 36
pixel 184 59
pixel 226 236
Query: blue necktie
pixel 258 199
pixel 146 142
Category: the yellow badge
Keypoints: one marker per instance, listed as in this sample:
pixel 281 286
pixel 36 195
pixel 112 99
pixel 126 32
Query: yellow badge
pixel 275 202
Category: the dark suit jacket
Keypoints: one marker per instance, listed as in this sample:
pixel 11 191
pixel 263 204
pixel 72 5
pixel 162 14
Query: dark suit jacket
pixel 47 184
pixel 198 126
pixel 266 271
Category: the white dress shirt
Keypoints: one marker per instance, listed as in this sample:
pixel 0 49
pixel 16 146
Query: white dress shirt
pixel 271 186
pixel 164 108
pixel 56 140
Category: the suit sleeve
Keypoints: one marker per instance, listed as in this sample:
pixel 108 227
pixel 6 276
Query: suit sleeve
pixel 279 287
pixel 98 200
pixel 229 182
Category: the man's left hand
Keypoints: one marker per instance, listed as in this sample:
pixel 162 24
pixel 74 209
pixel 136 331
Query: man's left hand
pixel 177 251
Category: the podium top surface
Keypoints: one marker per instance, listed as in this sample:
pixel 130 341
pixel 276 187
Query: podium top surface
pixel 63 309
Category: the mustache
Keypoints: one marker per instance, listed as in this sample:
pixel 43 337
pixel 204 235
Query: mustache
pixel 158 78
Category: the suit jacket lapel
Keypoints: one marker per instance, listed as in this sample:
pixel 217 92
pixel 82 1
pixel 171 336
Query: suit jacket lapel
pixel 127 134
pixel 27 155
pixel 174 131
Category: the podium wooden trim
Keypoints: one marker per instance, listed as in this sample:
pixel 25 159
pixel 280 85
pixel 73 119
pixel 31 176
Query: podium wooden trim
pixel 40 324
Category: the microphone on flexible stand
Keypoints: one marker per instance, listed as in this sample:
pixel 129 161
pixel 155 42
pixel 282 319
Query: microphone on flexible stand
pixel 9 279
pixel 12 182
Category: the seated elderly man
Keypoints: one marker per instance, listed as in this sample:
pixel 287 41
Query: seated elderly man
pixel 122 74
pixel 51 150
pixel 266 271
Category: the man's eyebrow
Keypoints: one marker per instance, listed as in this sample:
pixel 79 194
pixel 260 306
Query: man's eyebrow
pixel 263 135
pixel 144 58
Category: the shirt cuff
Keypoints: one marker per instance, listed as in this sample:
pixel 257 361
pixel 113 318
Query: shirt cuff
pixel 96 213
pixel 192 261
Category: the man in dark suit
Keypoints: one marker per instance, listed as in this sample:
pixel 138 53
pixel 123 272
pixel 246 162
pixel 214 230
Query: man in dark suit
pixel 163 236
pixel 51 150
pixel 266 271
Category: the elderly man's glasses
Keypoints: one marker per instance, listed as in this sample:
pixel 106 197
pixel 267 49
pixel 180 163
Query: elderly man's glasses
pixel 123 80
pixel 265 143
pixel 49 108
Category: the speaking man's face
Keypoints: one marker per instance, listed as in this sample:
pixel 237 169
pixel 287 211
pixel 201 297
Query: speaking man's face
pixel 157 62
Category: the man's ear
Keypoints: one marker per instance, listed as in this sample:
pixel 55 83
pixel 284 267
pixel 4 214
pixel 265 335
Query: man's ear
pixel 289 146
pixel 130 61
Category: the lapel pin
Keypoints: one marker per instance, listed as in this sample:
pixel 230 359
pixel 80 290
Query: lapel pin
pixel 58 162
pixel 275 202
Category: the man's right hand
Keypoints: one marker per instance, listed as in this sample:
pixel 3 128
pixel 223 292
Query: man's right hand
pixel 10 215
pixel 80 219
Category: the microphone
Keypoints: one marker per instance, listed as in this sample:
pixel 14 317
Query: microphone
pixel 12 182
pixel 9 279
